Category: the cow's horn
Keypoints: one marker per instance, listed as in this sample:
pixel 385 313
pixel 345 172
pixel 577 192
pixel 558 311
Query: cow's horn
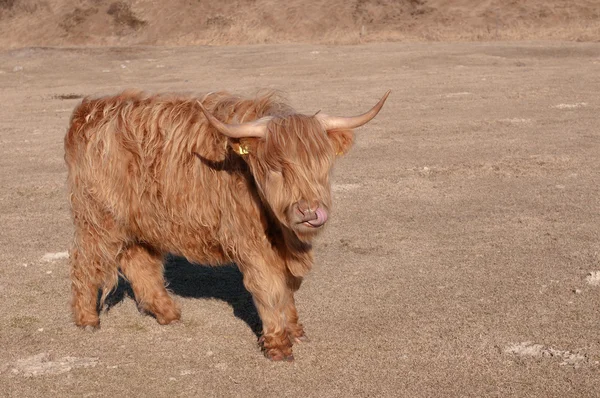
pixel 337 123
pixel 256 128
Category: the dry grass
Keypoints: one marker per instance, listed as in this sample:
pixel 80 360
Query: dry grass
pixel 124 17
pixel 184 22
pixel 68 96
pixel 7 4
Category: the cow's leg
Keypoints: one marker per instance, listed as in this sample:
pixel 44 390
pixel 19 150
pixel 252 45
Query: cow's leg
pixel 86 278
pixel 294 328
pixel 270 293
pixel 93 266
pixel 144 270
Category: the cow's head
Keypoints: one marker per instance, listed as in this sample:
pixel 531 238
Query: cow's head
pixel 291 158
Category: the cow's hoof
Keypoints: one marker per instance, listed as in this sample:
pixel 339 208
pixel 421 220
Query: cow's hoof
pixel 90 328
pixel 164 314
pixel 275 354
pixel 169 317
pixel 89 323
pixel 277 348
pixel 301 339
pixel 296 334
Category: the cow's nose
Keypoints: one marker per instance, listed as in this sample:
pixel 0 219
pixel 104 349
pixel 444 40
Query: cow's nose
pixel 306 206
pixel 311 213
pixel 306 211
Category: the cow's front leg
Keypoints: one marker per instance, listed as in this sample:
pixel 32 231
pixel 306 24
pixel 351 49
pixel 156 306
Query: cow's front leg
pixel 293 326
pixel 267 284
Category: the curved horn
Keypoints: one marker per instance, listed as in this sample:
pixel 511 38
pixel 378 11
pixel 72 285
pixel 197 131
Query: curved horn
pixel 256 128
pixel 337 123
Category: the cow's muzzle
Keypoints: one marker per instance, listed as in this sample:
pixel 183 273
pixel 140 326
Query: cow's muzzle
pixel 312 215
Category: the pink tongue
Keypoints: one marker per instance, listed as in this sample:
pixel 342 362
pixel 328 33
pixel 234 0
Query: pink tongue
pixel 321 218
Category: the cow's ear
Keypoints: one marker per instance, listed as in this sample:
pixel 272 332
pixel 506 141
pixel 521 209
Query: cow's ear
pixel 342 140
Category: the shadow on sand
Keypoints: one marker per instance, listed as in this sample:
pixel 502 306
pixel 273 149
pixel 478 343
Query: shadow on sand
pixel 203 282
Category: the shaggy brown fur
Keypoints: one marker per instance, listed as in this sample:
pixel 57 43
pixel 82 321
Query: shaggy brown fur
pixel 148 175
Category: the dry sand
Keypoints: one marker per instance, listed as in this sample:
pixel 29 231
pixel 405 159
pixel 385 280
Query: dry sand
pixel 457 263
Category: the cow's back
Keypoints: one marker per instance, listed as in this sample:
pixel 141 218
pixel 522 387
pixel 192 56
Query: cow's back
pixel 103 163
pixel 151 165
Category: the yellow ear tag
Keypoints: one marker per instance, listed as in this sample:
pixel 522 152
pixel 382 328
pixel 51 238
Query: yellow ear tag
pixel 243 150
pixel 238 148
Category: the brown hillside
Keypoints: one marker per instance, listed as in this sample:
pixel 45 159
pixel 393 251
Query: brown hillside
pixel 188 22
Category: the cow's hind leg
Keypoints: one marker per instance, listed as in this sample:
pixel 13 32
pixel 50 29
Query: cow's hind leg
pixel 93 267
pixel 86 278
pixel 270 293
pixel 144 270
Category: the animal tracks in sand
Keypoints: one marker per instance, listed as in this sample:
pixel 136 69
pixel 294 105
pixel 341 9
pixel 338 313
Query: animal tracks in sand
pixel 516 120
pixel 593 278
pixel 529 349
pixel 459 94
pixel 43 364
pixel 534 165
pixel 570 106
pixel 345 187
pixel 51 257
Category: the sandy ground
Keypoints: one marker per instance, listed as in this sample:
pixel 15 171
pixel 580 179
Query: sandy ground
pixel 463 258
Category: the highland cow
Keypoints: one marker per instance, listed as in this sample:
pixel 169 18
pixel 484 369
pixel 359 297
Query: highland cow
pixel 218 179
